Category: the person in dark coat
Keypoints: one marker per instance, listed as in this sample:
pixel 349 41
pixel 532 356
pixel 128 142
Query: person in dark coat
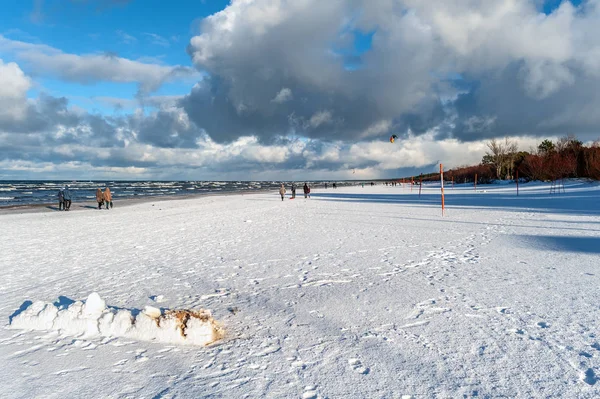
pixel 293 190
pixel 67 197
pixel 61 200
pixel 306 190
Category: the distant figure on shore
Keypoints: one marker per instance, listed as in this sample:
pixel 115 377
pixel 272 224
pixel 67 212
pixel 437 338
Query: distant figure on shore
pixel 67 198
pixel 325 186
pixel 306 190
pixel 108 198
pixel 334 185
pixel 282 191
pixel 61 200
pixel 293 190
pixel 99 198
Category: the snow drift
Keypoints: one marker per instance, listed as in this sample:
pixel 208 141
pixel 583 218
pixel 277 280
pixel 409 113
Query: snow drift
pixel 93 318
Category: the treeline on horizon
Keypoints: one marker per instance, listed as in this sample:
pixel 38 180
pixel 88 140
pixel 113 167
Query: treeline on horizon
pixel 550 161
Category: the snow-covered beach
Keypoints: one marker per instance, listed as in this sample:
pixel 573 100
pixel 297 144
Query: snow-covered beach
pixel 353 293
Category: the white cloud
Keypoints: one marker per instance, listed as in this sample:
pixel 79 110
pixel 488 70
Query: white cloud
pixel 377 129
pixel 129 104
pixel 48 61
pixel 13 91
pixel 158 40
pixel 126 38
pixel 284 95
pixel 320 118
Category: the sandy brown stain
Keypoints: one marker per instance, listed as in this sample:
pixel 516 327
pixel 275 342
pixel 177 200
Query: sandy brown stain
pixel 183 316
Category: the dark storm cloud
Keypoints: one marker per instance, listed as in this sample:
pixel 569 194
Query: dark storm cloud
pixel 168 128
pixel 253 52
pixel 499 105
pixel 253 63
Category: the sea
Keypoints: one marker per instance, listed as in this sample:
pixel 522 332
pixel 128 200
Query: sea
pixel 30 192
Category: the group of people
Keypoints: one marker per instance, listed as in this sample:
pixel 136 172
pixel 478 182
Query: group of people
pixel 64 199
pixel 306 190
pixel 104 198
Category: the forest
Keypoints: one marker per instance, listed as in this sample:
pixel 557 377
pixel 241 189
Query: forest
pixel 549 161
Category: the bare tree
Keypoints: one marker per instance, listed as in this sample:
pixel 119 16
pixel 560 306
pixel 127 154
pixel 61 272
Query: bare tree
pixel 496 155
pixel 511 147
pixel 501 156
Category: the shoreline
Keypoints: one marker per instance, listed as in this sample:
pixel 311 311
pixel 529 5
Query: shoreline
pixel 122 202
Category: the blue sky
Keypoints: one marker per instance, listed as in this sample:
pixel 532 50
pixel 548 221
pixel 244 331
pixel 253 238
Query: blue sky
pixel 550 5
pixel 151 31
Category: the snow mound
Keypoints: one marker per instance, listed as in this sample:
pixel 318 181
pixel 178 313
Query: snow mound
pixel 94 318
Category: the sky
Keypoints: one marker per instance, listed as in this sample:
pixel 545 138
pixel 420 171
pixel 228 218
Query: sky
pixel 287 90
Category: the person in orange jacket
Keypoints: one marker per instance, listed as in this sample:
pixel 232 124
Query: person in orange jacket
pixel 99 198
pixel 108 197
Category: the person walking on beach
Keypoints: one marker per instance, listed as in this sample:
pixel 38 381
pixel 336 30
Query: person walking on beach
pixel 99 198
pixel 293 190
pixel 306 190
pixel 61 200
pixel 108 197
pixel 67 198
pixel 282 191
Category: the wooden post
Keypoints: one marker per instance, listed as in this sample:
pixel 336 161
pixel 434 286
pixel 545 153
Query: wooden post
pixel 517 183
pixel 475 182
pixel 442 182
pixel 420 184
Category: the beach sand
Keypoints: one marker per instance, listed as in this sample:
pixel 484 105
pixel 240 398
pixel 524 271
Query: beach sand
pixel 355 293
pixel 78 205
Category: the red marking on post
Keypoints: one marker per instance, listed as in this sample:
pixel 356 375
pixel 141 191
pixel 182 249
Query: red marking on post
pixel 442 182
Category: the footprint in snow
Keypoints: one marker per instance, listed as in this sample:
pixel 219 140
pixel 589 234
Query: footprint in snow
pixel 543 324
pixel 157 298
pixel 310 392
pixel 357 366
pixel 590 377
pixel 120 362
pixel 296 363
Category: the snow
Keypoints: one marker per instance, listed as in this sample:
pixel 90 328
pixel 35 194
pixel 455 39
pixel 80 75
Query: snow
pixel 355 293
pixel 94 318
